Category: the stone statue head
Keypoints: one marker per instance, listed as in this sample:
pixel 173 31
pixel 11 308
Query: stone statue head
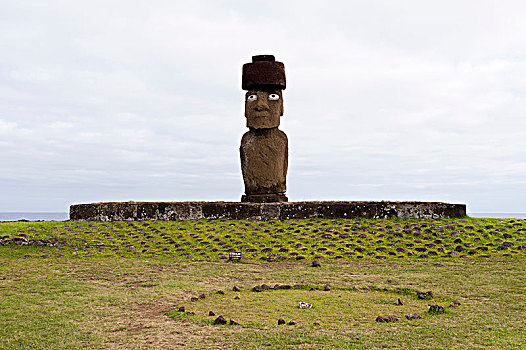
pixel 264 79
pixel 263 108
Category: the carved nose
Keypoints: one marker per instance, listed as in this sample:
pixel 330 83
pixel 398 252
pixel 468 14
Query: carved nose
pixel 261 105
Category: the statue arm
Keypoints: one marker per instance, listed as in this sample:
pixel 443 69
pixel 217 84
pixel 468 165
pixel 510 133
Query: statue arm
pixel 242 153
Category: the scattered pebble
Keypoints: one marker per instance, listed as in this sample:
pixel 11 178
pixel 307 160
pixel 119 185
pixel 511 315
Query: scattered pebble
pixel 424 295
pixel 454 304
pixel 236 289
pixel 399 302
pixel 292 323
pixel 211 313
pixel 181 309
pixel 436 309
pixel 233 322
pixel 386 318
pixel 283 286
pixel 327 288
pixel 316 263
pixel 220 320
pixel 412 316
pixel 281 321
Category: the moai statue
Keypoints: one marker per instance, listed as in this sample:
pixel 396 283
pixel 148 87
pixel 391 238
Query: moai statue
pixel 264 148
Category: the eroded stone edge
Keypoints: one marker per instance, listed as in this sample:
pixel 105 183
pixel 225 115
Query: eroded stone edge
pixel 129 211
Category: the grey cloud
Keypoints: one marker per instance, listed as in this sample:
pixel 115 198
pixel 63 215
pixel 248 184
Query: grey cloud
pixel 385 100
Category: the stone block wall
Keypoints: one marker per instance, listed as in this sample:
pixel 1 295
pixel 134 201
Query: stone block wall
pixel 126 211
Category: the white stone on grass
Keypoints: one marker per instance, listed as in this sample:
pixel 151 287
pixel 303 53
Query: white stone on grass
pixel 304 305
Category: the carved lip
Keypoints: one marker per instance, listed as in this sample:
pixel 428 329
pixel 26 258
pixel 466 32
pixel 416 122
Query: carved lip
pixel 261 114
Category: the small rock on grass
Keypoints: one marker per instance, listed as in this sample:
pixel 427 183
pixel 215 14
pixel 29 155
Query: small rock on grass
pixel 236 289
pixel 211 313
pixel 194 299
pixel 316 323
pixel 436 309
pixel 304 305
pixel 292 323
pixel 237 298
pixel 282 286
pixel 220 292
pixel 386 318
pixel 220 320
pixel 281 321
pixel 181 309
pixel 233 322
pixel 412 316
pixel 327 288
pixel 454 304
pixel 399 302
pixel 257 289
pixel 190 313
pixel 202 296
pixel 316 263
pixel 424 295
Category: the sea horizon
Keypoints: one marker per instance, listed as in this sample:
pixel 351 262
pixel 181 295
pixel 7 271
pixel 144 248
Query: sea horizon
pixel 34 216
pixel 63 216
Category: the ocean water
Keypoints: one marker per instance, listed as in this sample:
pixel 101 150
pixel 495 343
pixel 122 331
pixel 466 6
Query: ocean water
pixel 34 216
pixel 499 215
pixel 65 216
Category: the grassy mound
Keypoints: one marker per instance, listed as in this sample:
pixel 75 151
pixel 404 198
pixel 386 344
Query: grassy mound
pixel 272 240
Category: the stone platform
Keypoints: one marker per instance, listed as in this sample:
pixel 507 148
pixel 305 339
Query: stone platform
pixel 125 211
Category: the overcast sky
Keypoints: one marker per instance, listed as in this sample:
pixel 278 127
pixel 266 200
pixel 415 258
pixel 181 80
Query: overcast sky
pixel 385 100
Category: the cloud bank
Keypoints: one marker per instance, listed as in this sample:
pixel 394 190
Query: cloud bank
pixel 406 100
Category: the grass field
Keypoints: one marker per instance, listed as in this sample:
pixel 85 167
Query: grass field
pixel 87 285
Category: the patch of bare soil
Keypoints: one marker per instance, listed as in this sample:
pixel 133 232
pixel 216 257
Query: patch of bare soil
pixel 146 326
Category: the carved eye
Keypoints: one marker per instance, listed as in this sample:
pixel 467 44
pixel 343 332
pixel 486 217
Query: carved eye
pixel 251 98
pixel 273 97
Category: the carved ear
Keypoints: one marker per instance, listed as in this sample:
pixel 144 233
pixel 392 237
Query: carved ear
pixel 281 112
